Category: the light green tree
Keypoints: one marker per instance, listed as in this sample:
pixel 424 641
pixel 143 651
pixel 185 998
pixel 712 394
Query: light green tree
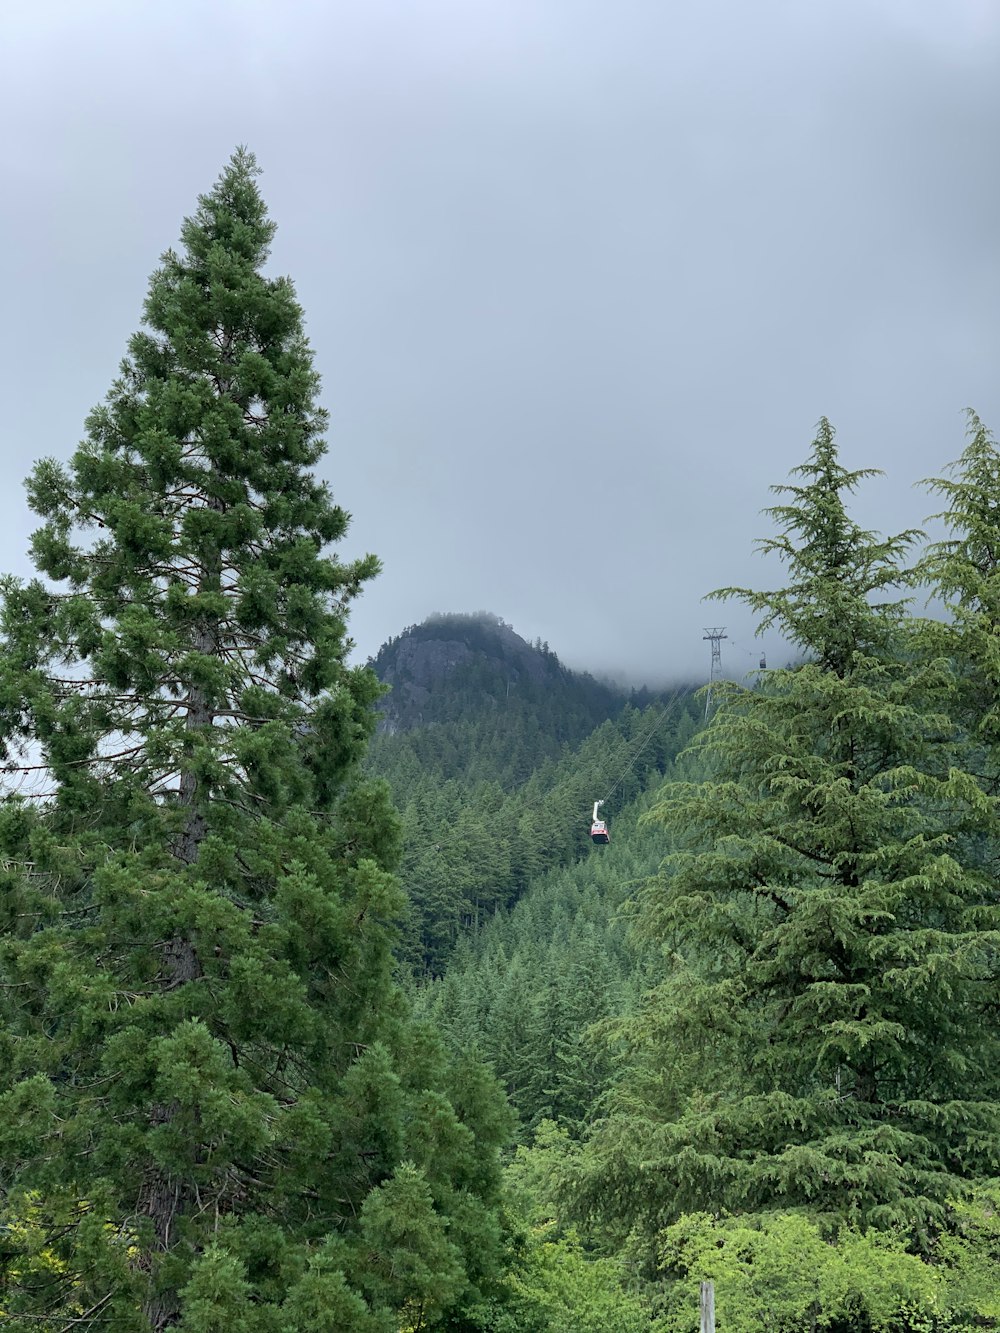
pixel 779 1273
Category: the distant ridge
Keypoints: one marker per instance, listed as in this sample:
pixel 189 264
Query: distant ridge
pixel 454 666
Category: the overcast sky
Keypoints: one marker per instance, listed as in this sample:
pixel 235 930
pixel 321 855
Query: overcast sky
pixel 580 275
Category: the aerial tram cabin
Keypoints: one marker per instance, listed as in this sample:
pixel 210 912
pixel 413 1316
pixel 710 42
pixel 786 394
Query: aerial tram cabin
pixel 599 827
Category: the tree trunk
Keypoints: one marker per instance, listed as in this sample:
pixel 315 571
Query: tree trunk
pixel 168 1197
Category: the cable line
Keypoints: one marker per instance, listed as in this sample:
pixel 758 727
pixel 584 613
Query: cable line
pixel 599 827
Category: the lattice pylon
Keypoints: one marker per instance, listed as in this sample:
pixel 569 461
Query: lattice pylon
pixel 714 636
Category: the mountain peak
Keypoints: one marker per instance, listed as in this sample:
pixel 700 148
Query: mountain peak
pixel 451 662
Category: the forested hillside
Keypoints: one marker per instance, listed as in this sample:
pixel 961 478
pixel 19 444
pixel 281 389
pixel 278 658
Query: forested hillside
pixel 496 784
pixel 320 1011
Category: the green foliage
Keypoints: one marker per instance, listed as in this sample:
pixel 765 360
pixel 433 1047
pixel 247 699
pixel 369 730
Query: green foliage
pixel 789 1272
pixel 217 1295
pixel 561 1289
pixel 779 1273
pixel 410 1264
pixel 785 1273
pixel 969 1254
pixel 555 1283
pixel 66 1257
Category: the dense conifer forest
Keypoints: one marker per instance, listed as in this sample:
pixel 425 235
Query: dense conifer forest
pixel 320 1008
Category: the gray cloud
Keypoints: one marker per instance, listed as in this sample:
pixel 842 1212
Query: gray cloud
pixel 580 277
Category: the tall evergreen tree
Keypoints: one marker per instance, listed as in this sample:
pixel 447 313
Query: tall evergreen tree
pixel 821 1042
pixel 211 1112
pixel 964 571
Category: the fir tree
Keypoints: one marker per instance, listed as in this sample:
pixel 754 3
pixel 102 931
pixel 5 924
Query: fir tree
pixel 821 1042
pixel 964 571
pixel 206 1114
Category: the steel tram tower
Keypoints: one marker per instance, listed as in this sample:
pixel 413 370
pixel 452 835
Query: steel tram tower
pixel 715 637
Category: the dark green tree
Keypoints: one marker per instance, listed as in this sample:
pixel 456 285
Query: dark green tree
pixel 823 1040
pixel 209 1108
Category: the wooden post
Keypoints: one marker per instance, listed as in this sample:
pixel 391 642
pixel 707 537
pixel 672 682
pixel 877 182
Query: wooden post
pixel 708 1307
